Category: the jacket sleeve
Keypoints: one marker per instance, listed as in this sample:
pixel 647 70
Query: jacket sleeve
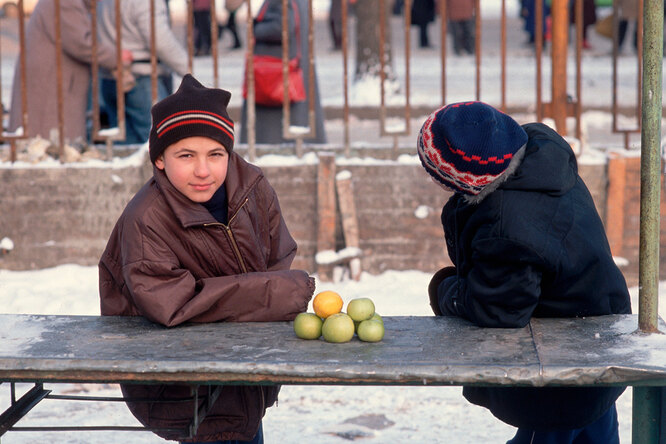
pixel 170 52
pixel 76 38
pixel 169 295
pixel 501 289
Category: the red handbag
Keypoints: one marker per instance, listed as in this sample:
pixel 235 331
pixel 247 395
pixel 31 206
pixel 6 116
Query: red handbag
pixel 268 81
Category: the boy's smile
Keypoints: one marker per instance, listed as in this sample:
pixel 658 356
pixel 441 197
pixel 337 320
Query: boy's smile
pixel 196 166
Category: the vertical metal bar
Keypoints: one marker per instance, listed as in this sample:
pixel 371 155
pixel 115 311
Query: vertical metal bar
pixel 287 132
pixel 579 57
pixel 443 39
pixel 477 44
pixel 59 91
pixel 614 99
pixel 120 95
pixel 94 72
pixel 345 79
pixel 558 101
pixel 538 42
pixel 153 54
pixel 646 405
pixel 190 32
pixel 250 104
pixel 650 165
pixel 213 42
pixel 382 62
pixel 503 56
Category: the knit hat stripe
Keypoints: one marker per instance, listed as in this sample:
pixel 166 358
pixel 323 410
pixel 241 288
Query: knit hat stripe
pixel 195 117
pixel 194 122
pixel 194 111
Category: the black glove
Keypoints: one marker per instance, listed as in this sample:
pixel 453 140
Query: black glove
pixel 434 285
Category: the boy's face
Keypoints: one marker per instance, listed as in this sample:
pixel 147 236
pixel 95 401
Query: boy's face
pixel 196 166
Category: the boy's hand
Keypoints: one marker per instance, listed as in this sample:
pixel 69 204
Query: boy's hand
pixel 434 286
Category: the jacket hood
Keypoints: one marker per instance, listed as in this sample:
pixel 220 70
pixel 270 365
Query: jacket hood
pixel 549 165
pixel 241 178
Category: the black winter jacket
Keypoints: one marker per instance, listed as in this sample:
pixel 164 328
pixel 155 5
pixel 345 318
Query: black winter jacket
pixel 536 246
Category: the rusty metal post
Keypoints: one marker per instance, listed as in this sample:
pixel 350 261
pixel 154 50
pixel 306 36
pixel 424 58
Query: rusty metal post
pixel 647 414
pixel 560 27
pixel 250 104
pixel 503 57
pixel 650 165
pixel 213 42
pixel 345 79
pixel 153 54
pixel 59 91
pixel 477 44
pixel 443 39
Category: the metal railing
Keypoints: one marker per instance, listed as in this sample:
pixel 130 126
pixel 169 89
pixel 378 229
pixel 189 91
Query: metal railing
pixel 561 106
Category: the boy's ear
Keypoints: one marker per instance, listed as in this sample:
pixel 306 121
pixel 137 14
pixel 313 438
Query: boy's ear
pixel 159 162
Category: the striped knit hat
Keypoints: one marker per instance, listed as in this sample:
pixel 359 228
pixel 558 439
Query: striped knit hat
pixel 468 145
pixel 193 110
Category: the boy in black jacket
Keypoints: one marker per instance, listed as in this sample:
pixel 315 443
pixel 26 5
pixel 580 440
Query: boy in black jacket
pixel 525 239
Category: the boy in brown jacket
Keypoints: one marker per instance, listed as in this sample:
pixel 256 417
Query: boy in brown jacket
pixel 203 240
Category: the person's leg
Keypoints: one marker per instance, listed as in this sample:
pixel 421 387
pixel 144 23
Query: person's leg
pixel 137 110
pixel 525 436
pixel 258 439
pixel 231 26
pixel 108 93
pixel 602 431
pixel 423 35
pixel 456 33
pixel 621 32
pixel 468 36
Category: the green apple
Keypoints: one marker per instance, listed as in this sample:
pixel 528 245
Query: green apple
pixel 361 309
pixel 370 331
pixel 308 326
pixel 338 327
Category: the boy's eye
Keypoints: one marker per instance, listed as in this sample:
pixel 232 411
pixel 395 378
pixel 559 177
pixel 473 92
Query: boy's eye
pixel 184 155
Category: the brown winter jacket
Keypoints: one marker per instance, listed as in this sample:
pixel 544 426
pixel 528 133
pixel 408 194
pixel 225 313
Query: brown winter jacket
pixel 170 261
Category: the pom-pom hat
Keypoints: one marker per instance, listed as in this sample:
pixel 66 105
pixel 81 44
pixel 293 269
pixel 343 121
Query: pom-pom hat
pixel 193 110
pixel 468 145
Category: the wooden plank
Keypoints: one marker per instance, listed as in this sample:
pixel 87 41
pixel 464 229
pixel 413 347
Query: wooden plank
pixel 349 219
pixel 325 210
pixel 420 350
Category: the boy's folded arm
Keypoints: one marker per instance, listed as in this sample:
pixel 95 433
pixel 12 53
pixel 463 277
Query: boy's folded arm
pixel 498 291
pixel 171 296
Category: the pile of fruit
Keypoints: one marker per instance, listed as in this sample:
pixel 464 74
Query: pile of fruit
pixel 329 321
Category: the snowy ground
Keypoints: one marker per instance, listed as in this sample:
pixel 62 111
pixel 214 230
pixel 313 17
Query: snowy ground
pixel 305 413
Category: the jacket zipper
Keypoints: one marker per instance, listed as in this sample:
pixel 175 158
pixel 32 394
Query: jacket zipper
pixel 232 238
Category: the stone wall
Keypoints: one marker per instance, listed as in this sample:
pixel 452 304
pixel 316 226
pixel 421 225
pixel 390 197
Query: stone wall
pixel 65 215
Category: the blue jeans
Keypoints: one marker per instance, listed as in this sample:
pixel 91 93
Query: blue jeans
pixel 258 439
pixel 138 102
pixel 602 431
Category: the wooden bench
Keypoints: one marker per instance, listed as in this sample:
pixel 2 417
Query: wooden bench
pixel 421 350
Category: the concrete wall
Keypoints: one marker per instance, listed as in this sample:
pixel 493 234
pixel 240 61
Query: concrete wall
pixel 64 215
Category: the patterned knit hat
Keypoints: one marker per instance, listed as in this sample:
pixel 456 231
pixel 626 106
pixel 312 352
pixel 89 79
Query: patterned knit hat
pixel 468 145
pixel 193 110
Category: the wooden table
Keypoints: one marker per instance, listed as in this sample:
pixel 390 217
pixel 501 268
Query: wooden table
pixel 603 350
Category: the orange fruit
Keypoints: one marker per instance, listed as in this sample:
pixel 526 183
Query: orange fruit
pixel 327 303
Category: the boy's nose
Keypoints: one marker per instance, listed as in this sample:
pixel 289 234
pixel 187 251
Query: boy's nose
pixel 201 169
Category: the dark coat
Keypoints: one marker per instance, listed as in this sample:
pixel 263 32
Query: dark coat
pixel 170 261
pixel 534 247
pixel 268 41
pixel 423 12
pixel 460 10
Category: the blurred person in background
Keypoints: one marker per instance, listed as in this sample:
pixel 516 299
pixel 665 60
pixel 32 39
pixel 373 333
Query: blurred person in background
pixel 460 14
pixel 171 57
pixel 268 37
pixel 40 53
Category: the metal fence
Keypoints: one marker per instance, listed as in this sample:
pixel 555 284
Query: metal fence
pixel 555 47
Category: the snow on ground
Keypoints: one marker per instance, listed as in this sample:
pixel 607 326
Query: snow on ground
pixel 323 414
